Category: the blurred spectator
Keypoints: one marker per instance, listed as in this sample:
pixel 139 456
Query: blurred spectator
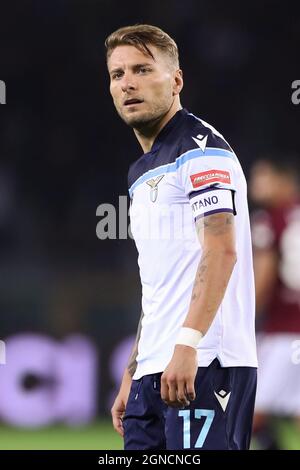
pixel 275 189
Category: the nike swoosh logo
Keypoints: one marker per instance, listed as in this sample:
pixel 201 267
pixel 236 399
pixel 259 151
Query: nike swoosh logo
pixel 223 400
pixel 201 141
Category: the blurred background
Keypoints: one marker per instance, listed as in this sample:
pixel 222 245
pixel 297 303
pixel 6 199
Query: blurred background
pixel 69 302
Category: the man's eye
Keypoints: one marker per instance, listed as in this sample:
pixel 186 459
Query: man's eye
pixel 144 70
pixel 116 75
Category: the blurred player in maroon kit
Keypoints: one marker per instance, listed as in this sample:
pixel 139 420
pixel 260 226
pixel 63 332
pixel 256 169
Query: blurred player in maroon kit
pixel 274 189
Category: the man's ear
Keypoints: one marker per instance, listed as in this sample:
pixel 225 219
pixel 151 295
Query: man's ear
pixel 178 82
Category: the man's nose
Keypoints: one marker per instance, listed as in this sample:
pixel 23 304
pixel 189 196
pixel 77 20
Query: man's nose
pixel 128 83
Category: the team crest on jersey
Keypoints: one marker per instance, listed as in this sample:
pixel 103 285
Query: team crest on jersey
pixel 153 183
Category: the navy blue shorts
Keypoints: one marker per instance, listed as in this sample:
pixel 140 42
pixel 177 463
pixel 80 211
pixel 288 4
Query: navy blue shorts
pixel 219 418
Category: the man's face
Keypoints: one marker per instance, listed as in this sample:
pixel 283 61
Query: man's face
pixel 143 89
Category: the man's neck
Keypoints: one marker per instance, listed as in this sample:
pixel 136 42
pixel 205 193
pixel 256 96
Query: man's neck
pixel 147 136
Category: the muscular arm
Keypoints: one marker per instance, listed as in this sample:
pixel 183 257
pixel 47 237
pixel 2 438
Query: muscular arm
pixel 217 237
pixel 119 406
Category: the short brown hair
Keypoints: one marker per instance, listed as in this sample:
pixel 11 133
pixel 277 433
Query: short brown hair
pixel 141 35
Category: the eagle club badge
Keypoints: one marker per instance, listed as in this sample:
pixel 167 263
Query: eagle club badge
pixel 153 183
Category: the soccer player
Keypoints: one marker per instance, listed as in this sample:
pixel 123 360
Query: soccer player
pixel 275 189
pixel 191 380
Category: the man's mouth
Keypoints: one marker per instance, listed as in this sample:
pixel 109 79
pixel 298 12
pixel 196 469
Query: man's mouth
pixel 132 101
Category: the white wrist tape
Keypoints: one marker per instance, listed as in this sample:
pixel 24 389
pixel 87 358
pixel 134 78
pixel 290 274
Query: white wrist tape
pixel 189 337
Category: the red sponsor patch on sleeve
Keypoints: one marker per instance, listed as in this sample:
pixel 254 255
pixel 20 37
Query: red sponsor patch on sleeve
pixel 210 176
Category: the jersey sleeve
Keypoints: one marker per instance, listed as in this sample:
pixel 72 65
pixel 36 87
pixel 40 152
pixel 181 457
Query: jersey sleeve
pixel 209 180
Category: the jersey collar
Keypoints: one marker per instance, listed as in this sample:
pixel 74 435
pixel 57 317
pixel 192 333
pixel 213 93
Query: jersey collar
pixel 171 124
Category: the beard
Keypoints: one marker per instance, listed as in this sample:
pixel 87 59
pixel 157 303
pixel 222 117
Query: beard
pixel 145 120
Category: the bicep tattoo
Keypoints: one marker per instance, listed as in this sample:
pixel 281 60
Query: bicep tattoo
pixel 215 224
